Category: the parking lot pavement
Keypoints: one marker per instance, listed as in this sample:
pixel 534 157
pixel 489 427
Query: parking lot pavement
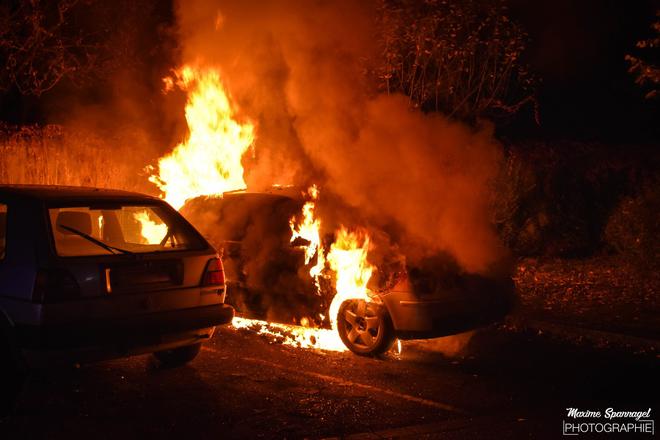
pixel 243 385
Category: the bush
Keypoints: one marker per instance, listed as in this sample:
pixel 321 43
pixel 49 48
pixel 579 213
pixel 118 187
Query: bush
pixel 633 228
pixel 54 155
pixel 556 199
pixel 460 58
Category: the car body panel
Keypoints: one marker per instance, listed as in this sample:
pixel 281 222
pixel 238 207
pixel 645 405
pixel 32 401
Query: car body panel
pixel 448 308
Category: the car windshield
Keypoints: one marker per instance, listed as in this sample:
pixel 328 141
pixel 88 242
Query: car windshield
pixel 119 229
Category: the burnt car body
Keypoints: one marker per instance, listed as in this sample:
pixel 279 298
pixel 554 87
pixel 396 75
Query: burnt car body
pixel 431 298
pixel 267 277
pixel 80 282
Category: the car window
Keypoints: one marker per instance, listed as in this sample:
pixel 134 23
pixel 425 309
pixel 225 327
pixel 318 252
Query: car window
pixel 240 215
pixel 3 230
pixel 103 230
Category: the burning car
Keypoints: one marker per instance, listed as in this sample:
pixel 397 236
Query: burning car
pixel 433 298
pixel 266 272
pixel 277 271
pixel 89 274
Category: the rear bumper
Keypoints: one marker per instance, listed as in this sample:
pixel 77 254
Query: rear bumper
pixel 128 332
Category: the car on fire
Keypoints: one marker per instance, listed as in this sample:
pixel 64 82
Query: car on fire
pixel 266 274
pixel 89 274
pixel 428 299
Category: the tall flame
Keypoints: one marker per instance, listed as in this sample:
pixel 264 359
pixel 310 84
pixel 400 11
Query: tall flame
pixel 348 258
pixel 208 162
pixel 309 229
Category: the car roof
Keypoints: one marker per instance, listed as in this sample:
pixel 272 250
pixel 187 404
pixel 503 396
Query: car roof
pixel 242 197
pixel 68 193
pixel 255 196
pixel 288 192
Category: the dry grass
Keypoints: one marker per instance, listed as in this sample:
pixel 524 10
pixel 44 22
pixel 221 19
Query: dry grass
pixel 55 155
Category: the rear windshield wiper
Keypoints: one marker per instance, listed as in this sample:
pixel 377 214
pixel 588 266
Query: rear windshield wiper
pixel 105 246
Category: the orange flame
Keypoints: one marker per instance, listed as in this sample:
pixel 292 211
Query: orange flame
pixel 348 258
pixel 293 335
pixel 309 229
pixel 208 162
pixel 151 232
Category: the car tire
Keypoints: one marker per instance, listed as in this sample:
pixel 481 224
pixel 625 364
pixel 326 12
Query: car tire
pixel 365 327
pixel 179 356
pixel 12 374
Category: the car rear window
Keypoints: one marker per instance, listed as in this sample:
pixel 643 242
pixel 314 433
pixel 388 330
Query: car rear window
pixel 3 230
pixel 239 215
pixel 119 229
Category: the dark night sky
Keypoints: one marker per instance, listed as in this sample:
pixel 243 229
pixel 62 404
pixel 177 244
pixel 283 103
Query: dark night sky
pixel 578 49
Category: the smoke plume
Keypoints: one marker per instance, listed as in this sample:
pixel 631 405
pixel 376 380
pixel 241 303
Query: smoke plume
pixel 297 69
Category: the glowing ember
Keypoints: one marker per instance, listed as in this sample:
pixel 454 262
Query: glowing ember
pixel 293 335
pixel 152 232
pixel 348 258
pixel 209 161
pixel 309 229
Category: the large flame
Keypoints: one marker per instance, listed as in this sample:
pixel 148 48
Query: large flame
pixel 309 228
pixel 348 259
pixel 208 162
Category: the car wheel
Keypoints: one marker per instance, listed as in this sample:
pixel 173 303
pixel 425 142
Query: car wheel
pixel 365 327
pixel 177 357
pixel 12 374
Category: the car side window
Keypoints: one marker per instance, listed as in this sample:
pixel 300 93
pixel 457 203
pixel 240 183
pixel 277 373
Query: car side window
pixel 3 230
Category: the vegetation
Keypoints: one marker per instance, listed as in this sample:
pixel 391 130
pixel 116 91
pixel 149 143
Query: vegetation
pixel 45 43
pixel 42 44
pixel 645 69
pixel 463 59
pixel 568 199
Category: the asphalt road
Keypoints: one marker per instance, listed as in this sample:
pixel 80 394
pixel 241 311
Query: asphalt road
pixel 242 385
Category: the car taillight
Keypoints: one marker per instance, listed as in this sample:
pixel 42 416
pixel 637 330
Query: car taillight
pixel 54 285
pixel 214 275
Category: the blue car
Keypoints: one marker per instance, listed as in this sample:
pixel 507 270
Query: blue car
pixel 89 274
